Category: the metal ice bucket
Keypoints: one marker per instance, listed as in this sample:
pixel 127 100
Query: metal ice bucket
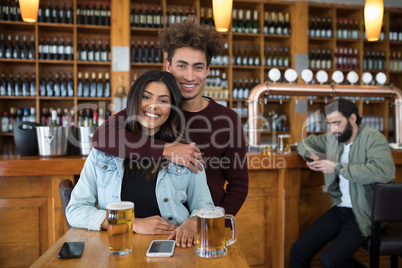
pixel 52 141
pixel 84 136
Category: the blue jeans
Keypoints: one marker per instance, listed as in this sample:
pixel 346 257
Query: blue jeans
pixel 338 225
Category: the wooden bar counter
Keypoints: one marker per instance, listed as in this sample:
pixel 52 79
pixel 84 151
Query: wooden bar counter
pixel 284 199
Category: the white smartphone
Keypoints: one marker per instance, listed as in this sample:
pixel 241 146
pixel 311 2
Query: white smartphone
pixel 161 248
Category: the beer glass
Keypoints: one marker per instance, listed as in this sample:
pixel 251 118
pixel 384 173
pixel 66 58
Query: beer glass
pixel 284 144
pixel 211 242
pixel 120 217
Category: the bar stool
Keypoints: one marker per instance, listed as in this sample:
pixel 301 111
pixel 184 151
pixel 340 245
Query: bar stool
pixel 65 189
pixel 387 207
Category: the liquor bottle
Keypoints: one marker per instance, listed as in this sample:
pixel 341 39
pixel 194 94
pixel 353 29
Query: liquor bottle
pixel 328 62
pixel 93 13
pixel 311 27
pixel 10 85
pixel 158 18
pixel 225 56
pixel 41 13
pixel 273 23
pixel 101 15
pixel 234 21
pixel 280 57
pixel 98 52
pixel 56 14
pixel 328 32
pixel 32 86
pixel 69 15
pixel 143 18
pixel 63 85
pixel 57 86
pixel 48 15
pixel 244 57
pixel 174 18
pixel 92 51
pixel 101 117
pixel 99 86
pixel 92 89
pixel 85 92
pixel 257 60
pixel 339 29
pixel 145 53
pixel 180 16
pixel 279 24
pixel 132 51
pixel 63 14
pixel 54 119
pixel 240 22
pixel 151 54
pixel 2 47
pixel 24 49
pixel 47 49
pixel 85 51
pixel 17 48
pixel 79 49
pixel 275 57
pixel 286 58
pixel 25 86
pixel 323 27
pixel 3 85
pixel 42 85
pixel 318 59
pixel 312 59
pixel 9 11
pixel 18 85
pixel 269 57
pixel 286 27
pixel 158 54
pixel 5 122
pixel 80 85
pixel 50 85
pixel 107 14
pixel 139 52
pixel 318 27
pixel 79 13
pixel 240 89
pixel 69 50
pixel 106 51
pixel 106 92
pixel 235 89
pixel 18 16
pixel 256 23
pixel 95 118
pixel 86 13
pixel 247 24
pixel 250 57
pixel 266 22
pixel 346 29
pixel 150 17
pixel 132 14
pixel 41 48
pixel 70 85
pixel 54 48
pixel 61 55
pixel 31 49
pixel 136 16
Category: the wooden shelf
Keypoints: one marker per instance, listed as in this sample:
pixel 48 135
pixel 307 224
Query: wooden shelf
pixel 6 134
pixel 17 97
pixel 56 61
pixel 18 61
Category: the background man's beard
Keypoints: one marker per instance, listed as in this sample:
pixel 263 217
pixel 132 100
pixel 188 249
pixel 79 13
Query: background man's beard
pixel 346 134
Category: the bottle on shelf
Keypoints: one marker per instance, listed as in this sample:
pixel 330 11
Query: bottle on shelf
pixel 10 85
pixel 57 86
pixel 31 49
pixel 63 85
pixel 3 85
pixel 50 86
pixel 54 122
pixel 32 86
pixel 99 86
pixel 9 48
pixel 247 24
pixel 24 49
pixel 80 85
pixel 92 89
pixel 286 26
pixel 42 85
pixel 70 85
pixel 240 22
pixel 25 86
pixel 85 89
pixel 106 92
pixel 17 48
pixel 18 85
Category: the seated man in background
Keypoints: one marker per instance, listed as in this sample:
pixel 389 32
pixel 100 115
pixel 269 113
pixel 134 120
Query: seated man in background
pixel 353 157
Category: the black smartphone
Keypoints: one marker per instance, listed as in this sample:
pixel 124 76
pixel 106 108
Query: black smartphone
pixel 71 250
pixel 309 159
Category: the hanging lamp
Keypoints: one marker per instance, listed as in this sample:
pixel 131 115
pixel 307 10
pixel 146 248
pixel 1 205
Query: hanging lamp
pixel 373 14
pixel 29 10
pixel 222 14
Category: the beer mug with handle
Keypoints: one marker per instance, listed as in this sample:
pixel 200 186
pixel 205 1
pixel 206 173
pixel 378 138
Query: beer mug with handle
pixel 211 241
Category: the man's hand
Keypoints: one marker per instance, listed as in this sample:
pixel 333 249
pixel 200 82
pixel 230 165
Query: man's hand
pixel 184 155
pixel 325 166
pixel 153 225
pixel 186 234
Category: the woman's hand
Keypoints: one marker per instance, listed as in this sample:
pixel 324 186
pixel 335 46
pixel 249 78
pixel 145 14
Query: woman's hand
pixel 153 225
pixel 186 234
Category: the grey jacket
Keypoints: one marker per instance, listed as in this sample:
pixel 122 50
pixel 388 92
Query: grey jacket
pixel 370 161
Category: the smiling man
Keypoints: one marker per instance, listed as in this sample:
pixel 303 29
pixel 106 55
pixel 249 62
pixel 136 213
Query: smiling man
pixel 215 131
pixel 353 157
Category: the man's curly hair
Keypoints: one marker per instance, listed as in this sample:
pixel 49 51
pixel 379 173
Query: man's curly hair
pixel 189 33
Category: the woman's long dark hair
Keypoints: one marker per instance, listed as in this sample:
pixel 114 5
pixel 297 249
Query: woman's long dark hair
pixel 170 131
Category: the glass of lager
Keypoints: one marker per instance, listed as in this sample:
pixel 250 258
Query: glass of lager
pixel 284 144
pixel 211 241
pixel 120 217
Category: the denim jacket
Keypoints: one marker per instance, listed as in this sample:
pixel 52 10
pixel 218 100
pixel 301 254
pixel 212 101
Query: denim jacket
pixel 100 183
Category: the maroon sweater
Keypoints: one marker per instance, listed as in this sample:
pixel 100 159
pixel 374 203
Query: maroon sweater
pixel 216 130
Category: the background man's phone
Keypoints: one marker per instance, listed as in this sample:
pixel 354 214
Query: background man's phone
pixel 71 250
pixel 309 159
pixel 161 248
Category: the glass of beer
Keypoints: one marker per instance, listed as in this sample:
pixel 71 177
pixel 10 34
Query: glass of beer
pixel 120 217
pixel 211 241
pixel 284 144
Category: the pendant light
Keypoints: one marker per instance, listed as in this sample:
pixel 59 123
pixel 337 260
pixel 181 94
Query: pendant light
pixel 29 10
pixel 222 14
pixel 373 14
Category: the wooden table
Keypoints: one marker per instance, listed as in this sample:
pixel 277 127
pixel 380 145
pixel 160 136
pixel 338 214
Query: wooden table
pixel 96 254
